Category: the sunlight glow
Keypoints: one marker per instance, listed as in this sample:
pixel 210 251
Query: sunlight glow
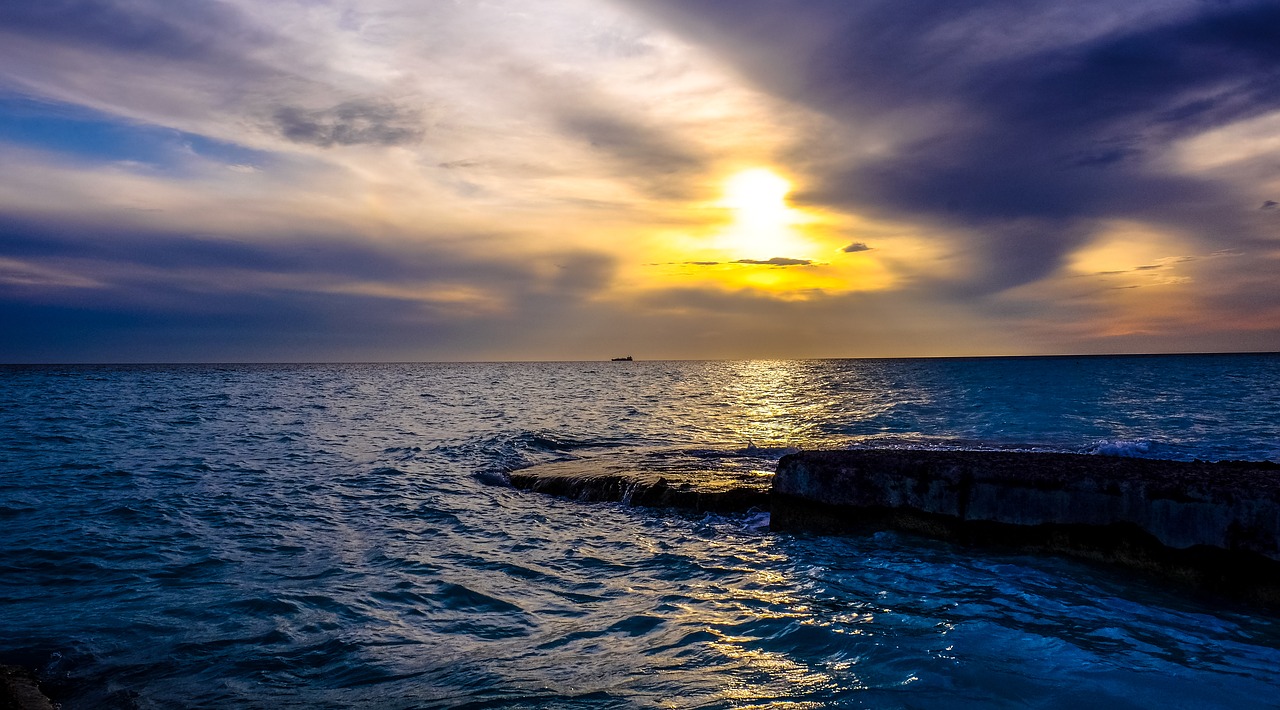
pixel 762 219
pixel 1132 251
pixel 753 240
pixel 759 196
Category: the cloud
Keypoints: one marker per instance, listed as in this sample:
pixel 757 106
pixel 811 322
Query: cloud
pixel 359 122
pixel 176 169
pixel 651 155
pixel 635 146
pixel 109 256
pixel 184 30
pixel 14 273
pixel 122 294
pixel 459 164
pixel 776 261
pixel 1016 142
pixel 317 258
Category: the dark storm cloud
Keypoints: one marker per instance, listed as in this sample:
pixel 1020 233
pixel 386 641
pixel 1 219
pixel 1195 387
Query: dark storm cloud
pixel 351 123
pixel 1024 123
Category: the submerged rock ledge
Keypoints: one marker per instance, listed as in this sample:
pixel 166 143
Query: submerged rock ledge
pixel 1214 525
pixel 647 483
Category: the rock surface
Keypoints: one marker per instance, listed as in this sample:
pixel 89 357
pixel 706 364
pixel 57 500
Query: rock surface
pixel 19 691
pixel 689 479
pixel 1216 525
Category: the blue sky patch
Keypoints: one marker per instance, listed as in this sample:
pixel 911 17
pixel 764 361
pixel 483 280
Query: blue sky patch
pixel 88 136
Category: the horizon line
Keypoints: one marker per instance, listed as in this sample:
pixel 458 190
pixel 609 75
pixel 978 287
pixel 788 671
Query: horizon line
pixel 141 363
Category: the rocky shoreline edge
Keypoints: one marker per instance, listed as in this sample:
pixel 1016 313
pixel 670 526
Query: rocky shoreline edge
pixel 1214 526
pixel 19 690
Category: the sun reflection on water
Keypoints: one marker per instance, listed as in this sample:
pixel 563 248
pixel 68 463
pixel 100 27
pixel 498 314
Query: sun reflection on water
pixel 772 403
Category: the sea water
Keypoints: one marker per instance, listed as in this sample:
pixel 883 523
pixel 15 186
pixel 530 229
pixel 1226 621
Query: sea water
pixel 335 536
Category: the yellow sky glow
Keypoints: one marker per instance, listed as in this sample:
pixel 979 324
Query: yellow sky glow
pixel 728 243
pixel 762 219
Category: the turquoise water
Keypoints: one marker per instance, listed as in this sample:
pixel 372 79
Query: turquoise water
pixel 331 536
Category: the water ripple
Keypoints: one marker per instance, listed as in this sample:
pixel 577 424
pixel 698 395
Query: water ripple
pixel 338 536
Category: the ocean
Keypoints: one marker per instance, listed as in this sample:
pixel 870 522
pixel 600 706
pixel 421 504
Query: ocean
pixel 339 536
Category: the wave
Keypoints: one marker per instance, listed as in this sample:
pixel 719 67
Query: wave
pixel 1132 448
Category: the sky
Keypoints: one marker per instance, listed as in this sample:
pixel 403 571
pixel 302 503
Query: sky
pixel 408 180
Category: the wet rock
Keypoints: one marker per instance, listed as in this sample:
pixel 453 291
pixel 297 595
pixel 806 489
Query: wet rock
pixel 19 690
pixel 1215 525
pixel 663 479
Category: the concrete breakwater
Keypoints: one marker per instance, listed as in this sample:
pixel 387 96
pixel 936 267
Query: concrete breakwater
pixel 1214 525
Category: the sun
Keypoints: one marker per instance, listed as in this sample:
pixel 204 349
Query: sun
pixel 757 195
pixel 750 237
pixel 762 220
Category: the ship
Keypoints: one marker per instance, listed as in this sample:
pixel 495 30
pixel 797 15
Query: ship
pixel 622 359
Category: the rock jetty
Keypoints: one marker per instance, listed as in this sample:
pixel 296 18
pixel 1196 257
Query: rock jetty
pixel 1214 525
